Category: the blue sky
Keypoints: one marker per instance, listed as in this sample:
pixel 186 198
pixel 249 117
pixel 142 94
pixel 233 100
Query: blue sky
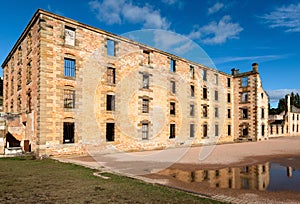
pixel 233 33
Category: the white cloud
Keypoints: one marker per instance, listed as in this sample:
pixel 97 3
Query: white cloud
pixel 217 32
pixel 167 40
pixel 177 3
pixel 287 17
pixel 261 58
pixel 276 95
pixel 108 11
pixel 215 8
pixel 120 11
pixel 185 47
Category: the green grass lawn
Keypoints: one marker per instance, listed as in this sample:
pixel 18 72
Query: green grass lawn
pixel 23 180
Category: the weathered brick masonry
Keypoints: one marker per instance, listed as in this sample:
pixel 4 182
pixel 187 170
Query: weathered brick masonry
pixel 74 86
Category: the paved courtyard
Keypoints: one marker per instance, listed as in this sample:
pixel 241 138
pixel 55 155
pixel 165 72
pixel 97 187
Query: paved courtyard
pixel 144 165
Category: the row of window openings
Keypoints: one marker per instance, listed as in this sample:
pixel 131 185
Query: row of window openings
pixel 295 117
pixel 19 53
pixel 295 128
pixel 69 128
pixel 111 51
pixel 110 131
pixel 205 92
pixel 69 102
pixel 69 70
pixel 245 130
pixel 19 103
pixel 19 79
pixel 110 106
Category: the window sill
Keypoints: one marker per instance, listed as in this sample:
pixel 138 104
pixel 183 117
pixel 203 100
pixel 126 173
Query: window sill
pixel 146 89
pixel 69 108
pixel 69 78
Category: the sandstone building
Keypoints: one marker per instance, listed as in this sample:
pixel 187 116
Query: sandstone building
pixel 68 86
pixel 286 123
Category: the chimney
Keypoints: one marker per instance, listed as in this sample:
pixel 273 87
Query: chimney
pixel 235 71
pixel 255 67
pixel 288 101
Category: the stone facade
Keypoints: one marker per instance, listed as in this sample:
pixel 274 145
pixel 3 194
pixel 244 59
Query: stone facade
pixel 74 86
pixel 250 105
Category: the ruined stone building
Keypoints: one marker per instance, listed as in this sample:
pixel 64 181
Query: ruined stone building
pixel 286 123
pixel 68 86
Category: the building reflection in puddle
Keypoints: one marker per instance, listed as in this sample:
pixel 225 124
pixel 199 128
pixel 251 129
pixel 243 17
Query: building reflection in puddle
pixel 256 177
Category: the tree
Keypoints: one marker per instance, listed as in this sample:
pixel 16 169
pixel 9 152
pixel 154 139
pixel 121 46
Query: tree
pixel 295 101
pixel 281 105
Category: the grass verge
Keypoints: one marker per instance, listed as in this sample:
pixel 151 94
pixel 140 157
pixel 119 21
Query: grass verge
pixel 24 180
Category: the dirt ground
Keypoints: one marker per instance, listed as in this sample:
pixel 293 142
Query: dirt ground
pixel 149 164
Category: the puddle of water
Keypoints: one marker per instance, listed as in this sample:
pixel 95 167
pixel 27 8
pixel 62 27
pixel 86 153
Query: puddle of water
pixel 267 176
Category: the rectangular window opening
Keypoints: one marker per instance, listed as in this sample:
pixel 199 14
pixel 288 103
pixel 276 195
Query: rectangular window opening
pixel 172 131
pixel 69 67
pixel 192 130
pixel 110 102
pixel 172 65
pixel 245 113
pixel 110 132
pixel 204 93
pixel 245 97
pixel 145 131
pixel 68 134
pixel 145 81
pixel 145 106
pixel 205 130
pixel 111 75
pixel 111 51
pixel 229 130
pixel 146 55
pixel 205 111
pixel 172 108
pixel 173 87
pixel 216 95
pixel 216 130
pixel 192 110
pixel 204 75
pixel 69 36
pixel 192 72
pixel 228 82
pixel 244 81
pixel 192 91
pixel 69 98
pixel 216 112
